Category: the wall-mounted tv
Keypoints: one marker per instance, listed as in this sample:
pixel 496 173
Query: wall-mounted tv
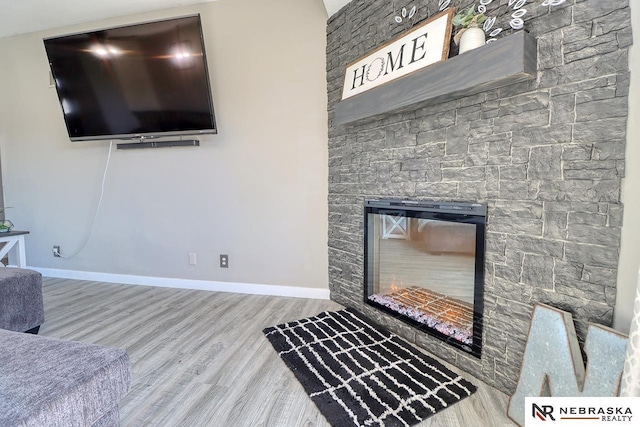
pixel 136 81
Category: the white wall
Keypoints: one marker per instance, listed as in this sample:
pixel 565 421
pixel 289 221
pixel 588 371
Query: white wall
pixel 630 243
pixel 256 191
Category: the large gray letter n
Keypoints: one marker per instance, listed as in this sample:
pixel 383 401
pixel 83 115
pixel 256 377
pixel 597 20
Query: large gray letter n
pixel 553 366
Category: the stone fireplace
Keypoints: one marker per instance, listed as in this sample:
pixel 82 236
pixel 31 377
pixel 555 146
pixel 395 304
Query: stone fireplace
pixel 545 156
pixel 424 265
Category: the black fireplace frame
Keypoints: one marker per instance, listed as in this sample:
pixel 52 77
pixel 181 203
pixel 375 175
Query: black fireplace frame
pixel 461 212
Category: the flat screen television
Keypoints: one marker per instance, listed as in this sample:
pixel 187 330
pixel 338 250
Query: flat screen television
pixel 136 81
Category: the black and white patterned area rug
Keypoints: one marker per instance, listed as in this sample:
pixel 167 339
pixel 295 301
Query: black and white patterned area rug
pixel 358 374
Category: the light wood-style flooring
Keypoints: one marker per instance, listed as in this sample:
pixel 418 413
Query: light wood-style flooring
pixel 200 359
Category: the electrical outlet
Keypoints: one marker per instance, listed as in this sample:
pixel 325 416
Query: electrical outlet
pixel 56 251
pixel 224 261
pixel 192 258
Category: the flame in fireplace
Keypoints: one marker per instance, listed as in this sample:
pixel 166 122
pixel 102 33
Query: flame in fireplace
pixel 396 285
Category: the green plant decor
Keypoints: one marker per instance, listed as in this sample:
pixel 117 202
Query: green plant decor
pixel 466 19
pixel 463 19
pixel 5 224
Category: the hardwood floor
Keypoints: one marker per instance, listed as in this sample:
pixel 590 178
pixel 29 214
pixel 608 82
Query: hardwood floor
pixel 200 359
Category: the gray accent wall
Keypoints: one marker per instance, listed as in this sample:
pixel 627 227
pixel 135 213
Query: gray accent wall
pixel 546 155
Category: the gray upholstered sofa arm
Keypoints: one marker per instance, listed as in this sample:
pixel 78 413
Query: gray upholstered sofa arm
pixel 50 382
pixel 21 307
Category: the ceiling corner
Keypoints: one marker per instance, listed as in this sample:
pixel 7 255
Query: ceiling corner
pixel 333 6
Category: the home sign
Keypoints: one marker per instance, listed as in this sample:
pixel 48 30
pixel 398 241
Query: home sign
pixel 419 47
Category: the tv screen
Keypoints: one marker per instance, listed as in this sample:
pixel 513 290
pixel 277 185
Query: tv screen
pixel 135 81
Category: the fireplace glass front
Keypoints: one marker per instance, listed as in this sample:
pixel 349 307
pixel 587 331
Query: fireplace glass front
pixel 424 264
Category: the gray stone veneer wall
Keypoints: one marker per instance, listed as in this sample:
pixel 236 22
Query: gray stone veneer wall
pixel 547 156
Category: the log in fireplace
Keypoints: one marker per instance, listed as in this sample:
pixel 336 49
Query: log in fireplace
pixel 424 264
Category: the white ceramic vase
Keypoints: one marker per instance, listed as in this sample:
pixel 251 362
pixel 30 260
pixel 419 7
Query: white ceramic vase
pixel 472 38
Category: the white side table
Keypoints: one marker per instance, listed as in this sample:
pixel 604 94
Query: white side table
pixel 11 240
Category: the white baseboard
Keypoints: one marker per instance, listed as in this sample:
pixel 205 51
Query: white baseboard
pixel 203 285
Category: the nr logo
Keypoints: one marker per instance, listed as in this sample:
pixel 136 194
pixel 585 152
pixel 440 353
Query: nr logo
pixel 542 412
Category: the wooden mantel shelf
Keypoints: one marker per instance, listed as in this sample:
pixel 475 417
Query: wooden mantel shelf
pixel 511 59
